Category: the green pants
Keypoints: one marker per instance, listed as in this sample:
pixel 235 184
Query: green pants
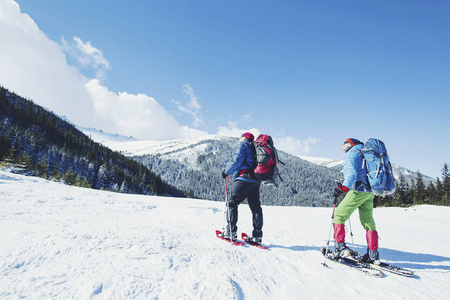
pixel 352 201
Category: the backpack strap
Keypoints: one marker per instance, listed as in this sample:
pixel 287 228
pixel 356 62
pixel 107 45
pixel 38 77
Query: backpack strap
pixel 366 182
pixel 249 172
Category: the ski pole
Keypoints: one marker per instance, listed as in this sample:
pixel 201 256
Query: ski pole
pixel 329 234
pixel 332 218
pixel 226 204
pixel 227 214
pixel 351 233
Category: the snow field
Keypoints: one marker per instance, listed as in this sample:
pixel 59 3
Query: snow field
pixel 62 242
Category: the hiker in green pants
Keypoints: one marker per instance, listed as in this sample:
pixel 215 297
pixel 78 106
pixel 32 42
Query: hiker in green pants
pixel 358 196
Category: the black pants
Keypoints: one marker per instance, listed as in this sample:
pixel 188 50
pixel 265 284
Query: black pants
pixel 240 191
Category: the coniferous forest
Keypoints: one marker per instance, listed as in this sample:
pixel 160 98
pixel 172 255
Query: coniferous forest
pixel 302 184
pixel 36 142
pixel 416 192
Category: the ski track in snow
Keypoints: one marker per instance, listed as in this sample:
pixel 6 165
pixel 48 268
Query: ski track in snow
pixel 62 242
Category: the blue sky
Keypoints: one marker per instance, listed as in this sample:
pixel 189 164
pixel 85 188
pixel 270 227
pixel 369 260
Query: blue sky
pixel 310 73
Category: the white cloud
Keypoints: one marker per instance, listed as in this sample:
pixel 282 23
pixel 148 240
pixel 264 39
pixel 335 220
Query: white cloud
pixel 35 67
pixel 233 131
pixel 90 54
pixel 287 144
pixel 193 107
pixel 295 146
pixel 87 56
pixel 140 114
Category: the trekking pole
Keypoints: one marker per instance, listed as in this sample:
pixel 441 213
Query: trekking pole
pixel 329 234
pixel 226 202
pixel 227 217
pixel 351 234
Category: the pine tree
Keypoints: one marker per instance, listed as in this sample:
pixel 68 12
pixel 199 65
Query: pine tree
pixel 439 192
pixel 25 164
pixel 401 195
pixel 431 194
pixel 4 146
pixel 124 187
pixel 10 160
pixel 56 174
pixel 446 184
pixel 102 178
pixel 419 189
pixel 70 177
pixel 85 184
pixel 42 168
pixel 78 180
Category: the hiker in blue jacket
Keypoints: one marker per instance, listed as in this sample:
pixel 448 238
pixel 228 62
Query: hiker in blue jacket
pixel 357 196
pixel 245 186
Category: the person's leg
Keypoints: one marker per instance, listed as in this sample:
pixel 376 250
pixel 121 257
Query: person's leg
pixel 254 203
pixel 368 222
pixel 344 210
pixel 238 194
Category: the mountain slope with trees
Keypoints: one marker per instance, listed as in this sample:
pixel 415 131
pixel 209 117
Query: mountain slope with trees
pixel 34 141
pixel 196 168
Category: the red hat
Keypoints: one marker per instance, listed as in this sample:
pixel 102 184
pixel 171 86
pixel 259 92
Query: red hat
pixel 248 136
pixel 352 141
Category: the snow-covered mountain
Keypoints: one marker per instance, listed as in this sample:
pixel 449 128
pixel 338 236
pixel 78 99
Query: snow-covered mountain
pixel 182 150
pixel 171 149
pixel 177 150
pixel 326 162
pixel 64 242
pixel 195 166
pixel 100 136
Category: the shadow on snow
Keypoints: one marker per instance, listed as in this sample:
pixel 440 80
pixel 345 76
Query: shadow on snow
pixel 408 260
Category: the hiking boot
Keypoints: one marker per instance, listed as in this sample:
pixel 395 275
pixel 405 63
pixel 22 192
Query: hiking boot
pixel 255 240
pixel 371 257
pixel 341 250
pixel 232 237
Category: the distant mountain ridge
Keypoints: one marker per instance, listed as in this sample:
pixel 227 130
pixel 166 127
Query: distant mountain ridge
pixel 195 166
pixel 100 136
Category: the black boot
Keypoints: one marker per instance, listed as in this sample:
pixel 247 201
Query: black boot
pixel 232 237
pixel 371 257
pixel 341 250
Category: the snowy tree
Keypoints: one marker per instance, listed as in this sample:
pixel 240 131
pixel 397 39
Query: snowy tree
pixel 419 189
pixel 446 184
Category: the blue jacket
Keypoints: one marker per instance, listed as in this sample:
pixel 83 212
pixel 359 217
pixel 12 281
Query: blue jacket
pixel 243 159
pixel 355 173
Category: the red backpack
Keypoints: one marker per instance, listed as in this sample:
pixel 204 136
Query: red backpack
pixel 266 169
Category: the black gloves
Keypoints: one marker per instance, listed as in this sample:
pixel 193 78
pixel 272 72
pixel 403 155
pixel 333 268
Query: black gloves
pixel 224 175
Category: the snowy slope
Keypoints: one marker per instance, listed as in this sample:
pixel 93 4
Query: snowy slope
pixel 163 147
pixel 62 242
pixel 100 136
pixel 326 162
pixel 185 151
pixel 133 147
